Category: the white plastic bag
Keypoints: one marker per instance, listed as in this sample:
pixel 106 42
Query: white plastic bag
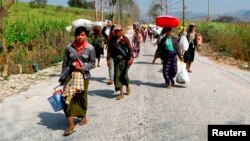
pixel 182 74
pixel 183 43
pixel 157 30
pixel 100 24
pixel 77 23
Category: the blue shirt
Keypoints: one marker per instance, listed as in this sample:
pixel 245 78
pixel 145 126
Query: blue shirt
pixel 169 45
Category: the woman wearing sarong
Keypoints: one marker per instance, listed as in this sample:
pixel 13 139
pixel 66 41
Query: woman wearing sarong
pixel 144 31
pixel 169 50
pixel 192 40
pixel 79 59
pixel 120 50
pixel 136 41
pixel 150 33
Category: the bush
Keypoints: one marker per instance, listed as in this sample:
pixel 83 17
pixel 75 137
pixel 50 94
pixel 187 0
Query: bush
pixel 233 39
pixel 38 3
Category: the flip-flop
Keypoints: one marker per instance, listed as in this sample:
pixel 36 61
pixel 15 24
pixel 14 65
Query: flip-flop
pixel 109 82
pixel 68 132
pixel 128 90
pixel 119 97
pixel 83 121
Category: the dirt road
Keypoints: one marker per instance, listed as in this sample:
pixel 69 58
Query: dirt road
pixel 216 95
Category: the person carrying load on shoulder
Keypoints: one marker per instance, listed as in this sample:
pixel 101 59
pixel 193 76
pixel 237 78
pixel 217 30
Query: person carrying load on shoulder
pixel 97 40
pixel 190 53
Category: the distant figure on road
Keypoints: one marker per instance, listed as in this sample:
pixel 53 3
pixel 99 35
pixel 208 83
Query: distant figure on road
pixel 192 40
pixel 150 33
pixel 97 40
pixel 136 41
pixel 79 59
pixel 144 31
pixel 120 50
pixel 169 50
pixel 111 67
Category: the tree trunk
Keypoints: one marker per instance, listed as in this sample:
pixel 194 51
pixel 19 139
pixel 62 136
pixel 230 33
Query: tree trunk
pixel 101 10
pixel 113 13
pixel 19 69
pixel 95 10
pixel 3 13
pixel 5 70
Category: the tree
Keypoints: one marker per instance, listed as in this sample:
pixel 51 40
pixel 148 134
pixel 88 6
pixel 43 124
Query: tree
pixel 112 3
pixel 38 3
pixel 124 7
pixel 81 4
pixel 225 19
pixel 155 10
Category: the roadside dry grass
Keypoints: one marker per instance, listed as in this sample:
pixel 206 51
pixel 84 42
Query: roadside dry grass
pixel 222 57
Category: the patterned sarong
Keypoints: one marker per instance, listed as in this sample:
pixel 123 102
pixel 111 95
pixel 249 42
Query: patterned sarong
pixel 170 67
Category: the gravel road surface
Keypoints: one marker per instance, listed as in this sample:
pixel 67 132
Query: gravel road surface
pixel 217 94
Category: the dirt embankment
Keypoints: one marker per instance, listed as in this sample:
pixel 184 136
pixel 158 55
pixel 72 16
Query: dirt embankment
pixel 206 50
pixel 21 82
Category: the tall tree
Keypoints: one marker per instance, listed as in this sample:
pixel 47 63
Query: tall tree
pixel 38 3
pixel 112 3
pixel 3 13
pixel 155 10
pixel 81 4
pixel 124 8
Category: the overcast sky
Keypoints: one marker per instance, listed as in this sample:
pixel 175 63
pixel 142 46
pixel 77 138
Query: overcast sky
pixel 197 6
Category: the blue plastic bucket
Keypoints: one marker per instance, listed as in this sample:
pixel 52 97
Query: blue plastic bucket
pixel 56 102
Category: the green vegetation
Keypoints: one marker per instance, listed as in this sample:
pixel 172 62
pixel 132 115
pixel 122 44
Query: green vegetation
pixel 231 39
pixel 38 35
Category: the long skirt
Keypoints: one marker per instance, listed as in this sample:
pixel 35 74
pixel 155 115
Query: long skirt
pixel 170 67
pixel 120 73
pixel 144 35
pixel 98 51
pixel 137 47
pixel 189 54
pixel 157 53
pixel 78 103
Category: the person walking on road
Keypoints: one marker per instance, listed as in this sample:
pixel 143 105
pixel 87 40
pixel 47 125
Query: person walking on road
pixel 97 40
pixel 144 31
pixel 120 50
pixel 136 41
pixel 79 59
pixel 192 40
pixel 169 50
pixel 111 66
pixel 157 52
pixel 150 33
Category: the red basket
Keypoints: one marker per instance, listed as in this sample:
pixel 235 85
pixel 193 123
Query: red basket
pixel 166 21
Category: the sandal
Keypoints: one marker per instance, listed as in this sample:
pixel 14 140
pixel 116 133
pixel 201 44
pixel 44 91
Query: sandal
pixel 109 82
pixel 168 86
pixel 119 97
pixel 83 121
pixel 68 132
pixel 128 90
